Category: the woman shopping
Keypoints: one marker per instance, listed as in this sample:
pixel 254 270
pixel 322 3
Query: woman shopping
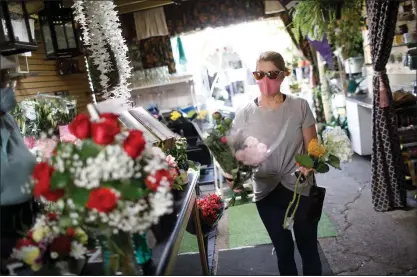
pixel 268 116
pixel 17 207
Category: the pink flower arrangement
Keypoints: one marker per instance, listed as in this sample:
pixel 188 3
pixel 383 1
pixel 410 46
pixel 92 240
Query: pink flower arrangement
pixel 252 153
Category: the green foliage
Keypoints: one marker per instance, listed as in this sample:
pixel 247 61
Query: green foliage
pixel 334 161
pixel 322 167
pixel 48 113
pixel 316 18
pixel 60 179
pixel 304 160
pixel 346 33
pixel 79 196
pixel 89 149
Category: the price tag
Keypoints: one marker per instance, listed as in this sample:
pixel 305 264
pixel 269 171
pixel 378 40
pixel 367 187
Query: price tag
pixel 29 109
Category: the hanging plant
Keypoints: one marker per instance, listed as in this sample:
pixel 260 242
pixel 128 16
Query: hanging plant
pixel 346 33
pixel 102 36
pixel 316 18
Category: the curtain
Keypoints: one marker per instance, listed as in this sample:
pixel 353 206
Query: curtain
pixel 388 188
pixel 156 52
pixel 197 15
pixel 150 23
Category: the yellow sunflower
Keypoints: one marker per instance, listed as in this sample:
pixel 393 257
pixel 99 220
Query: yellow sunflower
pixel 316 149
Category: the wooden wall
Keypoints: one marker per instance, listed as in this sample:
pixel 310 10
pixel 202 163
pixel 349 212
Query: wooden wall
pixel 48 81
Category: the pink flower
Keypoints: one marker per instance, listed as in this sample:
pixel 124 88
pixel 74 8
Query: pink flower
pixel 223 140
pixel 240 155
pixel 29 142
pixel 251 142
pixel 171 161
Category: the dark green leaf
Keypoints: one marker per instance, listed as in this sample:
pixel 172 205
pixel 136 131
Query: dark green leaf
pixel 334 161
pixel 304 160
pixel 89 149
pixel 79 196
pixel 133 193
pixel 322 167
pixel 60 180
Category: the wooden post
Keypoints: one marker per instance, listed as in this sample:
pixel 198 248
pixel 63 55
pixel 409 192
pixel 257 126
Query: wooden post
pixel 325 93
pixel 200 239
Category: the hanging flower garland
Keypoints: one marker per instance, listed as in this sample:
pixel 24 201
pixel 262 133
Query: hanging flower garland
pixel 101 27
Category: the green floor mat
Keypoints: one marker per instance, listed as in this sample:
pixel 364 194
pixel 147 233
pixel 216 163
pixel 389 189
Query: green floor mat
pixel 189 243
pixel 247 229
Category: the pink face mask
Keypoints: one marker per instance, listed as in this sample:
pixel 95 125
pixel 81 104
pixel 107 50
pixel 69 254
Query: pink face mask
pixel 269 87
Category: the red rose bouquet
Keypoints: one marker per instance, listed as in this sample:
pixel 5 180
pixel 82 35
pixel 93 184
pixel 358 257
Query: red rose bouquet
pixel 46 243
pixel 111 181
pixel 211 209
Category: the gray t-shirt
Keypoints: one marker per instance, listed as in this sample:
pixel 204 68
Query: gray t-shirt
pixel 283 128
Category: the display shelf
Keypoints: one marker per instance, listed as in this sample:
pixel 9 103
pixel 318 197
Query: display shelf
pixel 407 128
pixel 411 44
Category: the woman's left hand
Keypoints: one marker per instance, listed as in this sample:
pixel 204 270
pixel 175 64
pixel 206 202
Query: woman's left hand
pixel 306 171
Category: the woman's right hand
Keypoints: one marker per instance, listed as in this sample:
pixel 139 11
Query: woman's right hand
pixel 229 179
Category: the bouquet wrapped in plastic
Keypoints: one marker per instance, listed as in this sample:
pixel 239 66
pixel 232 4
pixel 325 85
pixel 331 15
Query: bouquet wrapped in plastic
pixel 237 155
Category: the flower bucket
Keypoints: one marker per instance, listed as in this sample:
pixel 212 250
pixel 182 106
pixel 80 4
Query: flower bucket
pixel 206 229
pixel 164 228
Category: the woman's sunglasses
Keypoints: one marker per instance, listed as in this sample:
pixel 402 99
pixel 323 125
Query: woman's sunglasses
pixel 259 75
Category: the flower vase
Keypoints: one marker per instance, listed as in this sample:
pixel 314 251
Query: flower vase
pixel 119 255
pixel 70 267
pixel 142 251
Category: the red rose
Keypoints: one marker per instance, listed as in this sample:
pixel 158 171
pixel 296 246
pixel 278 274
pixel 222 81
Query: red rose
pixel 111 118
pixel 52 216
pixel 102 199
pixel 223 140
pixel 42 174
pixel 23 243
pixel 134 144
pixel 61 245
pixel 70 232
pixel 105 129
pixel 153 181
pixel 80 126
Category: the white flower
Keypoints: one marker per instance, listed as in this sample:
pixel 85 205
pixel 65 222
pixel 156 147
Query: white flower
pixel 77 250
pixel 54 255
pixel 337 143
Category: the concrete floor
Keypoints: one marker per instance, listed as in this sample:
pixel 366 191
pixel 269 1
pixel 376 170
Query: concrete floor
pixel 368 242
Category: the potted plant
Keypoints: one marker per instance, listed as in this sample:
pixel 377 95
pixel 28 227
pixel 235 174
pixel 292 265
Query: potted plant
pixel 295 87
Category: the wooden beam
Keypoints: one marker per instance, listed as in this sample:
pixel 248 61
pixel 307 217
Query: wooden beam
pixel 121 3
pixel 143 6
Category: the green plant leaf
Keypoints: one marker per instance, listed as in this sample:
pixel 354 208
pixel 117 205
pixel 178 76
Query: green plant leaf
pixel 89 149
pixel 79 196
pixel 334 161
pixel 132 192
pixel 322 167
pixel 60 180
pixel 304 160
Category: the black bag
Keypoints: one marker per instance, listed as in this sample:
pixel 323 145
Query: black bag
pixel 317 195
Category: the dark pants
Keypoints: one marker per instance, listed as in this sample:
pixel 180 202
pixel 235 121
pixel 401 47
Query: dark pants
pixel 272 212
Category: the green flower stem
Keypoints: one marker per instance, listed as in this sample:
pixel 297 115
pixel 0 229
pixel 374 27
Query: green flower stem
pixel 294 198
